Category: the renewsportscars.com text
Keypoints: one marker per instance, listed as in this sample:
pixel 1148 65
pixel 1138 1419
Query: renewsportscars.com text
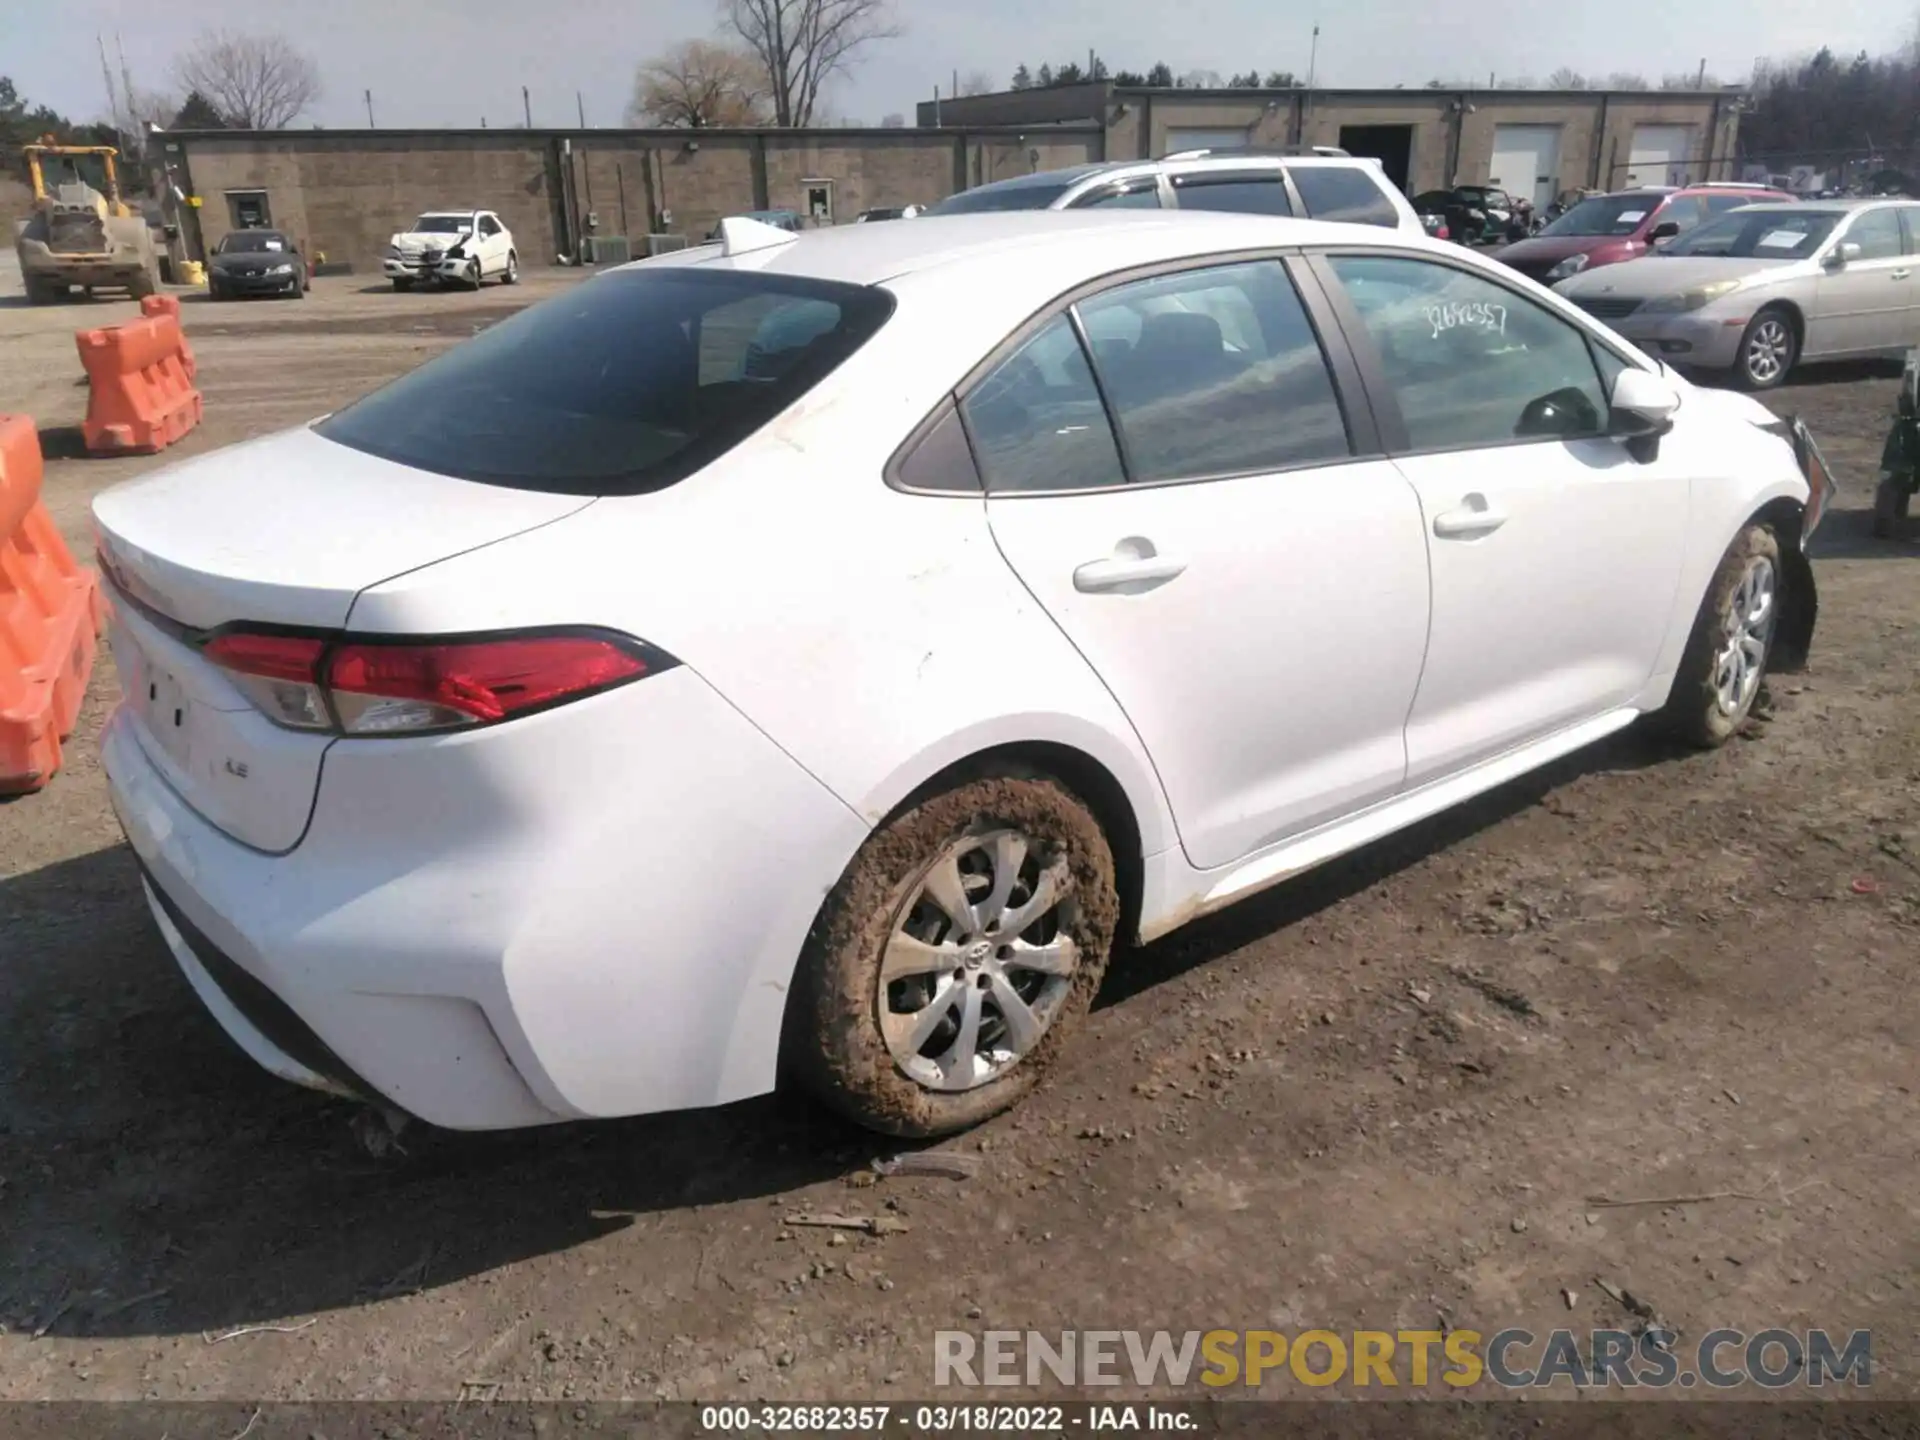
pixel 1511 1359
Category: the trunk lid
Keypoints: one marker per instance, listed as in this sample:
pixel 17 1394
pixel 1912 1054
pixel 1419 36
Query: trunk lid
pixel 286 531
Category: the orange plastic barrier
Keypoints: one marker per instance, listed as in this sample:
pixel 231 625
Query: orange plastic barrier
pixel 50 615
pixel 142 399
pixel 153 306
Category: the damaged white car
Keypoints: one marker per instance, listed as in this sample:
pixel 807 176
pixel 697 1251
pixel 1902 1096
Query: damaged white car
pixel 452 247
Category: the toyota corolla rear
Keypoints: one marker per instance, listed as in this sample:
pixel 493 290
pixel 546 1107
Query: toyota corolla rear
pixel 398 862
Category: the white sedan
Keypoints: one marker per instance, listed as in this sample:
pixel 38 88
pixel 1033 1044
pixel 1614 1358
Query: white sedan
pixel 815 654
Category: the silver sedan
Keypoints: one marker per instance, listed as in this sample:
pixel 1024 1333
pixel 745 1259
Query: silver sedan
pixel 1766 286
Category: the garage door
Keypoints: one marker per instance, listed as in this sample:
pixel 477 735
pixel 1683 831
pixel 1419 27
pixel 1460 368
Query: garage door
pixel 1661 155
pixel 1186 138
pixel 1526 161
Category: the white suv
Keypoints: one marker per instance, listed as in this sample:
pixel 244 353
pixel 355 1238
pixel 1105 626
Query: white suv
pixel 464 247
pixel 1318 182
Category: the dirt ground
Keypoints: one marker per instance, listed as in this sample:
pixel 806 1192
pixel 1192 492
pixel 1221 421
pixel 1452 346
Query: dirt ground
pixel 1381 1097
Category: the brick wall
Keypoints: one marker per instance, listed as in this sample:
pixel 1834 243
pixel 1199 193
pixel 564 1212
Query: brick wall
pixel 343 193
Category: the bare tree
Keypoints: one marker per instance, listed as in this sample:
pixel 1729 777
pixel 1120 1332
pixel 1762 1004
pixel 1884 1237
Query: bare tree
pixel 1627 80
pixel 1566 78
pixel 259 82
pixel 700 84
pixel 802 44
pixel 893 121
pixel 1518 82
pixel 976 82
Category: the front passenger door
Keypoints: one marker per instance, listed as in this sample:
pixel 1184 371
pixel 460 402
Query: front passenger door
pixel 1555 554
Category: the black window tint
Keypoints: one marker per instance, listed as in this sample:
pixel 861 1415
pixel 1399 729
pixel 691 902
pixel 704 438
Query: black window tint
pixel 1037 422
pixel 1470 362
pixel 1877 233
pixel 940 459
pixel 1239 194
pixel 1343 192
pixel 1139 196
pixel 624 384
pixel 1214 372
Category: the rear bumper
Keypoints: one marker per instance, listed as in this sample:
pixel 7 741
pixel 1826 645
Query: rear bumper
pixel 590 912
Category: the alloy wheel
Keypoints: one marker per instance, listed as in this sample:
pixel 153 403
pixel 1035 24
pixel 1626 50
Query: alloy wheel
pixel 1768 349
pixel 1748 629
pixel 978 961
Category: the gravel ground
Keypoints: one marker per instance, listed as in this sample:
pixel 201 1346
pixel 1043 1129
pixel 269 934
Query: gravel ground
pixel 1383 1096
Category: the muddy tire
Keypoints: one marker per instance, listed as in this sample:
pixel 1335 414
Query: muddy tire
pixel 512 274
pixel 1769 346
pixel 1725 662
pixel 402 284
pixel 915 1023
pixel 1891 502
pixel 44 292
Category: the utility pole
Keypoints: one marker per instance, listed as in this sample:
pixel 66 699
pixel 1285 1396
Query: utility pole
pixel 526 106
pixel 113 100
pixel 1313 58
pixel 582 105
pixel 370 124
pixel 1700 81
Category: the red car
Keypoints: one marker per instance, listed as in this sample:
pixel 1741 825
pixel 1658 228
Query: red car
pixel 1605 229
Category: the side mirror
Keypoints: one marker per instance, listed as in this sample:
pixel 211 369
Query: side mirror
pixel 1842 255
pixel 1642 405
pixel 1665 230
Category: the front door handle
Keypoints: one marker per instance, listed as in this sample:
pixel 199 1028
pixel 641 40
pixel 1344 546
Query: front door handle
pixel 1121 572
pixel 1473 516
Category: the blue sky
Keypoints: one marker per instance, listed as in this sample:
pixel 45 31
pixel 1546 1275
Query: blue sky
pixel 451 62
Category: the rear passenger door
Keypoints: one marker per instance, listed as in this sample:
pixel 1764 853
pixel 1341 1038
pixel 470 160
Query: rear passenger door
pixel 1219 538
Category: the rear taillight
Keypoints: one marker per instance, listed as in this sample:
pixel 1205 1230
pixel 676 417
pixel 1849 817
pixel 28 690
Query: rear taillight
pixel 404 687
pixel 280 674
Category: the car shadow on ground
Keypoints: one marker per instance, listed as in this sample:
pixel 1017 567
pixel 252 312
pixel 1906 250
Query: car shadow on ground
pixel 160 1184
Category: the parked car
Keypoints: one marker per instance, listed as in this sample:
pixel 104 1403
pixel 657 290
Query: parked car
pixel 460 247
pixel 1501 210
pixel 464 771
pixel 256 262
pixel 1766 286
pixel 1251 181
pixel 1445 210
pixel 888 212
pixel 778 219
pixel 1606 229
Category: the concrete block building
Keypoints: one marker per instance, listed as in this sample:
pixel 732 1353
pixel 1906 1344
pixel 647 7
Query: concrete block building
pixel 343 192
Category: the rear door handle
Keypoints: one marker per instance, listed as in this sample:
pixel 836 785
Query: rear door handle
pixel 1473 516
pixel 1121 571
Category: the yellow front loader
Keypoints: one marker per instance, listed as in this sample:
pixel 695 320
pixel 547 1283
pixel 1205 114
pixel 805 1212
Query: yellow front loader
pixel 79 234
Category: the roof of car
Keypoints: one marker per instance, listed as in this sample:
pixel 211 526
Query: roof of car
pixel 1054 239
pixel 1844 206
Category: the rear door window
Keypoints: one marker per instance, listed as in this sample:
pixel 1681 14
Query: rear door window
pixel 1215 372
pixel 1261 194
pixel 1343 192
pixel 624 384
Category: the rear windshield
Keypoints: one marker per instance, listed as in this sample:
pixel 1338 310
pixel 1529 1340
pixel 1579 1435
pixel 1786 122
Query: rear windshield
pixel 626 383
